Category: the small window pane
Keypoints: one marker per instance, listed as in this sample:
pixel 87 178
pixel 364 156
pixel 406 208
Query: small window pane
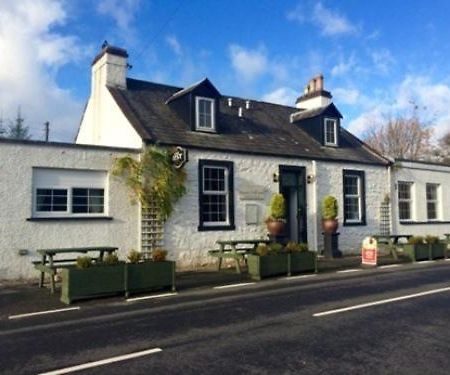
pixel 51 200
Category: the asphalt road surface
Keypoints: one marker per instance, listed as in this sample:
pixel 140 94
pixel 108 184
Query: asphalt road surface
pixel 398 323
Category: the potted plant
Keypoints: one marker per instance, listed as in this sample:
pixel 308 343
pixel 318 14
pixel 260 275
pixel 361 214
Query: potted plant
pixel 329 214
pixel 148 273
pixel 416 248
pixel 436 248
pixel 277 212
pixel 88 279
pixel 300 259
pixel 268 260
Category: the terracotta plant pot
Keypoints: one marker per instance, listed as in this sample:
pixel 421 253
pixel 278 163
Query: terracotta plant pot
pixel 275 227
pixel 330 225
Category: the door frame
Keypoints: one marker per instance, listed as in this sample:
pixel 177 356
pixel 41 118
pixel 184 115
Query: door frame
pixel 301 171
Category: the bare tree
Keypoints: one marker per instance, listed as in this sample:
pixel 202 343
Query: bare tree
pixel 402 136
pixel 443 149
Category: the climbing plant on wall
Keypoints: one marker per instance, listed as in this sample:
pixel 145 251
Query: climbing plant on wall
pixel 152 179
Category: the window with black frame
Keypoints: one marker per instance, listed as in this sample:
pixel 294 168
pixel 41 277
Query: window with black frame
pixel 354 197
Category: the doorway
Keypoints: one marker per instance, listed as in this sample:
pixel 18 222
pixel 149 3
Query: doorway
pixel 292 184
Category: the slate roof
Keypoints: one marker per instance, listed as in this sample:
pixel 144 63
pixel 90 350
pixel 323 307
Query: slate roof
pixel 310 113
pixel 264 129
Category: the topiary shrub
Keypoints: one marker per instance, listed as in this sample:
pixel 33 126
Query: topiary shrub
pixel 159 255
pixel 415 240
pixel 111 259
pixel 329 208
pixel 277 207
pixel 84 262
pixel 431 239
pixel 134 256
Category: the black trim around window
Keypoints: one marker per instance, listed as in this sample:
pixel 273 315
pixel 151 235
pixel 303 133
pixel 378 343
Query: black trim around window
pixel 218 163
pixel 362 180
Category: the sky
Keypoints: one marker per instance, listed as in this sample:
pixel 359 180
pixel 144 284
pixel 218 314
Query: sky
pixel 377 57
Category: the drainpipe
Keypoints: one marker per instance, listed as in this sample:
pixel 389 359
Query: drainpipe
pixel 314 206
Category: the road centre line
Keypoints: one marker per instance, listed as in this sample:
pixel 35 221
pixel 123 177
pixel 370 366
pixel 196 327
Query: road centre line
pixel 381 302
pixel 232 286
pixel 102 362
pixel 350 270
pixel 18 316
pixel 150 297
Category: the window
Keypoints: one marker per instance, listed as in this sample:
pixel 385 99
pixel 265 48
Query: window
pixel 432 191
pixel 216 195
pixel 330 132
pixel 204 114
pixel 404 200
pixel 68 192
pixel 354 197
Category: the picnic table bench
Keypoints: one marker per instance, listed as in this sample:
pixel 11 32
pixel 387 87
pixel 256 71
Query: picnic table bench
pixel 391 241
pixel 236 249
pixel 49 265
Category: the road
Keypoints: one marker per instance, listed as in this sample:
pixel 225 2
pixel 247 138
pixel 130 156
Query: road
pixel 264 328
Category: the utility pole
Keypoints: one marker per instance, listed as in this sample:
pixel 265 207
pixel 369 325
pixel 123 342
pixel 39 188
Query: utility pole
pixel 46 130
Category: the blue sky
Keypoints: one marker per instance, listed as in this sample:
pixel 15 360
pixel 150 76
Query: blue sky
pixel 376 56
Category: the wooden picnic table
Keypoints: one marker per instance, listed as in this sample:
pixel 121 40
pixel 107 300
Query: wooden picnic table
pixel 49 265
pixel 236 249
pixel 391 241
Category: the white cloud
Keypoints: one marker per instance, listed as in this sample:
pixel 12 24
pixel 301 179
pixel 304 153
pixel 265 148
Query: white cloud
pixel 31 55
pixel 344 66
pixel 382 60
pixel 174 44
pixel 282 95
pixel 330 22
pixel 249 64
pixel 121 11
pixel 347 95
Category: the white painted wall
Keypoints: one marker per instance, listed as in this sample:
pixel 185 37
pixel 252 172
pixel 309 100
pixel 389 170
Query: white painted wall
pixel 16 174
pixel 421 174
pixel 315 102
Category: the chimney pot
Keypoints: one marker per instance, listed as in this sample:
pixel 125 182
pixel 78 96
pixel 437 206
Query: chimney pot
pixel 247 104
pixel 240 112
pixel 230 102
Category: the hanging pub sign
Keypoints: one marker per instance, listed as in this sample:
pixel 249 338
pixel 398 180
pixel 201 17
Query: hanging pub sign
pixel 179 157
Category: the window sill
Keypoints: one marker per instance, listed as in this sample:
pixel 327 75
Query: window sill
pixel 70 218
pixel 202 228
pixel 354 224
pixel 423 222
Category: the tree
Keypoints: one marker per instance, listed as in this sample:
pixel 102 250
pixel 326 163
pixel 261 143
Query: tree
pixel 443 149
pixel 404 136
pixel 18 130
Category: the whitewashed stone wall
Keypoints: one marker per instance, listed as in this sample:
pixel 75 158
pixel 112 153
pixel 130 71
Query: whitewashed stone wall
pixel 18 160
pixel 189 246
pixel 420 174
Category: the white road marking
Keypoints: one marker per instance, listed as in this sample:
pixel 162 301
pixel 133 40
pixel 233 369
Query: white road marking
pixel 389 266
pixel 447 258
pixel 381 302
pixel 232 285
pixel 350 270
pixel 151 297
pixel 425 261
pixel 102 362
pixel 43 312
pixel 298 277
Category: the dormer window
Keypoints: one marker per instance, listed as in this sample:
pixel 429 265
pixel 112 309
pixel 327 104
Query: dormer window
pixel 205 114
pixel 331 132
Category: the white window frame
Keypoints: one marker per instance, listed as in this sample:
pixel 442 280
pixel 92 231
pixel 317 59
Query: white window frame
pixel 335 129
pixel 410 200
pixel 435 201
pixel 197 114
pixel 225 193
pixel 358 195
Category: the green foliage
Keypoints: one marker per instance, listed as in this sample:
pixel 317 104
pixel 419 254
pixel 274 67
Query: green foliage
pixel 111 259
pixel 292 247
pixel 262 250
pixel 153 179
pixel 134 256
pixel 275 248
pixel 415 240
pixel 431 239
pixel 329 208
pixel 159 255
pixel 84 262
pixel 277 207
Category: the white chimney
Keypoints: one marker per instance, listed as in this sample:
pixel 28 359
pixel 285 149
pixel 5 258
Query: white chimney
pixel 230 102
pixel 314 95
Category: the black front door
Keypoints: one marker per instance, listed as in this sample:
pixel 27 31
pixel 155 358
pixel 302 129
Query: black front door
pixel 293 187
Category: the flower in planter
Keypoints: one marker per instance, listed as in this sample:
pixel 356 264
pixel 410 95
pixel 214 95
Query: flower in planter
pixel 275 248
pixel 292 247
pixel 134 256
pixel 111 259
pixel 262 250
pixel 432 240
pixel 84 262
pixel 416 240
pixel 159 255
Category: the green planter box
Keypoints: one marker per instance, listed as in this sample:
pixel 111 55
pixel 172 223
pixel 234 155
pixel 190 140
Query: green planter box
pixel 417 251
pixel 95 281
pixel 302 261
pixel 438 250
pixel 147 276
pixel 260 267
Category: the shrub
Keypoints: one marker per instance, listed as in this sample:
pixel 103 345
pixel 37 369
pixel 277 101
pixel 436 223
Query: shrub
pixel 275 248
pixel 111 259
pixel 159 255
pixel 84 262
pixel 431 239
pixel 303 246
pixel 294 247
pixel 277 207
pixel 415 240
pixel 134 256
pixel 262 250
pixel 329 208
